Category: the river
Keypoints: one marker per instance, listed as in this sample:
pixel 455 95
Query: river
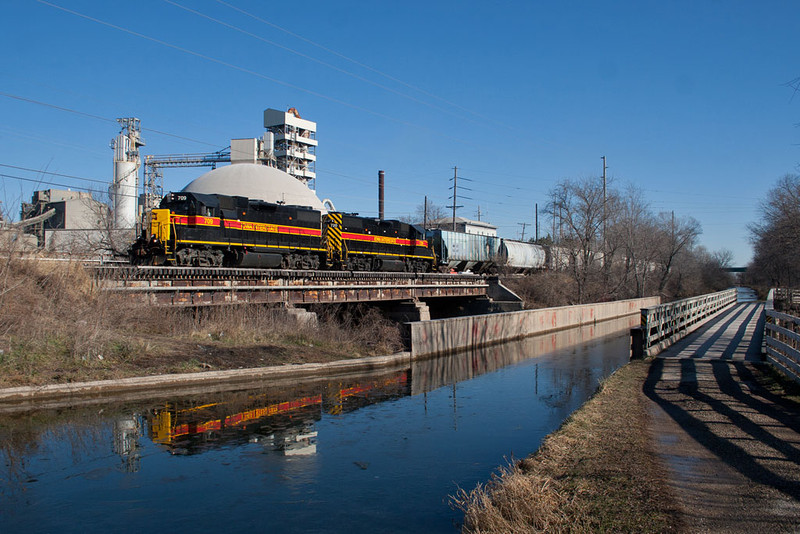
pixel 374 453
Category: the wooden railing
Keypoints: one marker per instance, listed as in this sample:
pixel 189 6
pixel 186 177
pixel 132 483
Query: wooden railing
pixel 665 324
pixel 787 297
pixel 782 334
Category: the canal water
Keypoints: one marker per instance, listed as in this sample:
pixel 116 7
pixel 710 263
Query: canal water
pixel 374 453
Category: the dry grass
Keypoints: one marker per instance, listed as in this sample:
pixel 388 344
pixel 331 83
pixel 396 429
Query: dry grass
pixel 56 327
pixel 597 473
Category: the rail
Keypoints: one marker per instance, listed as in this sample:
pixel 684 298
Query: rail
pixel 782 334
pixel 663 325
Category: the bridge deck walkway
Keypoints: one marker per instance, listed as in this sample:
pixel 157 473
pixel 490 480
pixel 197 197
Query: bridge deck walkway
pixel 729 440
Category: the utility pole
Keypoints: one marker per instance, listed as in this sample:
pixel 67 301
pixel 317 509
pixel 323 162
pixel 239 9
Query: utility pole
pixel 523 230
pixel 673 227
pixel 604 205
pixel 536 218
pixel 425 214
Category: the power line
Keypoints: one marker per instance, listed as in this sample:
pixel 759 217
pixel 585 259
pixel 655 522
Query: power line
pixel 98 117
pixel 55 174
pixel 316 60
pixel 46 182
pixel 20 134
pixel 254 73
pixel 360 64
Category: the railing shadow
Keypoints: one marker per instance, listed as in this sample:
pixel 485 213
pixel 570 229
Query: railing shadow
pixel 729 317
pixel 753 351
pixel 723 439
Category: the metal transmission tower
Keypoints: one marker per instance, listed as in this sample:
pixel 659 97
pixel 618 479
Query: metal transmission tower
pixel 455 205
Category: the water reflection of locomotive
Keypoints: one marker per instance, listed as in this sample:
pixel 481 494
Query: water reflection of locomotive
pixel 284 422
pixel 195 229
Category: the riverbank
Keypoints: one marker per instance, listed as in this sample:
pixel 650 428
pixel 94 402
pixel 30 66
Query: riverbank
pixel 609 468
pixel 57 328
pixel 598 473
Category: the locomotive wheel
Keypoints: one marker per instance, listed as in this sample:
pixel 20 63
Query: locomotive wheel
pixel 209 258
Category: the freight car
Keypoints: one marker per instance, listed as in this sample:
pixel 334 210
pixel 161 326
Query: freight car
pixel 464 252
pixel 193 229
pixel 486 254
pixel 522 257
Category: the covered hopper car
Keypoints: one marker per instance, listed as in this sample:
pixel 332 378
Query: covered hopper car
pixel 486 254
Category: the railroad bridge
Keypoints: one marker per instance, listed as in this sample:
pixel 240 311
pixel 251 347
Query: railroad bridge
pixel 410 292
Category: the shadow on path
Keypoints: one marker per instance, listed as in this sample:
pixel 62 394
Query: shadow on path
pixel 757 438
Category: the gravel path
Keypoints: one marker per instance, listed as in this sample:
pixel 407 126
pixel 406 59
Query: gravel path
pixel 731 444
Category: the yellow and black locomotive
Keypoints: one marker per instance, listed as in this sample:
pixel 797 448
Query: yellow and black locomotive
pixel 191 229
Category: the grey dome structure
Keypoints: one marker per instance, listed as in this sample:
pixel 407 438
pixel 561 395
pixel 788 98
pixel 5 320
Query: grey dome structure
pixel 257 182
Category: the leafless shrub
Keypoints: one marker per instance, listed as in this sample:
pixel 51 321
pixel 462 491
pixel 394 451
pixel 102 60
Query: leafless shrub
pixel 360 327
pixel 545 289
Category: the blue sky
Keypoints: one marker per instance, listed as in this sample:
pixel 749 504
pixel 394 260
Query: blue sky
pixel 687 100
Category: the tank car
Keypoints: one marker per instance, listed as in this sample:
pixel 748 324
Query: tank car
pixel 521 257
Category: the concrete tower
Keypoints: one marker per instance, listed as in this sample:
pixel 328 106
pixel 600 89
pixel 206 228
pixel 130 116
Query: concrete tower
pixel 295 143
pixel 124 189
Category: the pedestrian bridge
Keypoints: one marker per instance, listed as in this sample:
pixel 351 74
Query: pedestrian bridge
pixel 723 427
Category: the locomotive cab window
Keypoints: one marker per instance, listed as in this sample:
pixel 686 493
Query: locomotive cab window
pixel 228 208
pixel 351 223
pixel 308 217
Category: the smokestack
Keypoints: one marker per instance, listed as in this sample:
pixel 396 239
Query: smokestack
pixel 380 195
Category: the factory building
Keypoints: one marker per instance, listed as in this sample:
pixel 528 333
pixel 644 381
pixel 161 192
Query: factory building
pixel 465 226
pixel 124 188
pixel 289 144
pixel 257 182
pixel 75 225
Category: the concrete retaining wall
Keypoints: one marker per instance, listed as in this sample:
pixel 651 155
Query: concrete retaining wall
pixel 428 338
pixel 447 335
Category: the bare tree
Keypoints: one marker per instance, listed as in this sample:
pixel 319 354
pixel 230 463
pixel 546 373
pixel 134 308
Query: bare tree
pixel 578 204
pixel 676 235
pixel 776 238
pixel 434 212
pixel 636 230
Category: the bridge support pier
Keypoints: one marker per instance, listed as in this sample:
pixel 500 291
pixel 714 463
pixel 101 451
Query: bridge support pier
pixel 408 312
pixel 302 316
pixel 637 343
